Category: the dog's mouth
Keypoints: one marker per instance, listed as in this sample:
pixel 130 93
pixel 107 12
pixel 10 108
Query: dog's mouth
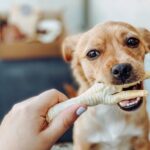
pixel 132 104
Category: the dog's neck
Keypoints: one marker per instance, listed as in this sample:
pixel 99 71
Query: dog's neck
pixel 111 125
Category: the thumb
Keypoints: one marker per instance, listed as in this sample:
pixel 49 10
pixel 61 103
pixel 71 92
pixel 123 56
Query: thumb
pixel 63 122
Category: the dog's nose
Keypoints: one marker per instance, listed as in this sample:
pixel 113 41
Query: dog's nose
pixel 122 71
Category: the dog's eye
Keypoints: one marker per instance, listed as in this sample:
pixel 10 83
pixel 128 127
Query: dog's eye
pixel 93 54
pixel 132 42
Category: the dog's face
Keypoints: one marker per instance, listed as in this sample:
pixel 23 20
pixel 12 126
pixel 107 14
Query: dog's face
pixel 112 53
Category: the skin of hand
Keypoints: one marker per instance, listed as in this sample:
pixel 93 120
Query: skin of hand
pixel 25 126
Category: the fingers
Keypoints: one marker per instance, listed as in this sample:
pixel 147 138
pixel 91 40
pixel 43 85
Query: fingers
pixel 125 95
pixel 51 97
pixel 55 110
pixel 48 99
pixel 63 122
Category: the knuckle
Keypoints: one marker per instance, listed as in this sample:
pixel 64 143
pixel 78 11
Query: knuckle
pixel 20 108
pixel 54 91
pixel 16 107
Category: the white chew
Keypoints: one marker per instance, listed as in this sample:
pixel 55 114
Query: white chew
pixel 99 93
pixel 147 75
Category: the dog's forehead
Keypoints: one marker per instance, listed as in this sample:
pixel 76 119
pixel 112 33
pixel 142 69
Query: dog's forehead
pixel 112 28
pixel 108 31
pixel 99 35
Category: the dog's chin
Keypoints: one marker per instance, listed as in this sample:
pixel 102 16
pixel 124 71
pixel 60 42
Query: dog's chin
pixel 132 104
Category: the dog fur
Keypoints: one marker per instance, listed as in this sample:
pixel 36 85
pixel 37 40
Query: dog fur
pixel 108 127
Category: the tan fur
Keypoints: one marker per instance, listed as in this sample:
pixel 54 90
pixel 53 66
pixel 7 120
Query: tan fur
pixel 108 127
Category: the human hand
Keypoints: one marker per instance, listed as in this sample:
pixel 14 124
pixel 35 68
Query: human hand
pixel 25 126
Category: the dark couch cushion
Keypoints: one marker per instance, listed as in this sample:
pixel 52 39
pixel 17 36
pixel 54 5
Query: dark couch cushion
pixel 20 80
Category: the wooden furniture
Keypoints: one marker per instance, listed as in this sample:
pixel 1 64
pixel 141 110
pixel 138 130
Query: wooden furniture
pixel 22 50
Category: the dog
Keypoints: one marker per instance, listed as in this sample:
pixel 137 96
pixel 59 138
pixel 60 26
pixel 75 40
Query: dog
pixel 113 53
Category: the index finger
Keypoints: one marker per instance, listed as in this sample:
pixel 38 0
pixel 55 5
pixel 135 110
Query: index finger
pixel 47 99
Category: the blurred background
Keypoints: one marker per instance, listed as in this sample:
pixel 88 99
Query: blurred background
pixel 31 33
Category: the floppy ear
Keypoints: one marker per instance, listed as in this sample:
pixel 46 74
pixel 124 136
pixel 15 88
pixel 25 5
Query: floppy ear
pixel 69 46
pixel 146 35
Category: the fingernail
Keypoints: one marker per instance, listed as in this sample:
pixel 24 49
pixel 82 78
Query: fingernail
pixel 80 110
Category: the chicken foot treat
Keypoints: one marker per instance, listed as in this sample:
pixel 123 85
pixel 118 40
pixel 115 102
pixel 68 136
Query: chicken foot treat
pixel 101 93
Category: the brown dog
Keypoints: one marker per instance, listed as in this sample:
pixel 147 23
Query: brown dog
pixel 113 53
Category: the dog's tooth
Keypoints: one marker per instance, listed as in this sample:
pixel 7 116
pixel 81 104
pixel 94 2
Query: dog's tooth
pixel 136 101
pixel 138 98
pixel 128 104
pixel 132 103
pixel 122 104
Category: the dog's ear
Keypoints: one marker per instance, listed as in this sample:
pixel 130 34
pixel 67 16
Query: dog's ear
pixel 146 35
pixel 69 46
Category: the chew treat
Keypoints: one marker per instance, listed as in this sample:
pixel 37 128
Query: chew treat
pixel 100 93
pixel 147 75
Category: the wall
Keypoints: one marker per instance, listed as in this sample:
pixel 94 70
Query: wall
pixel 73 10
pixel 147 83
pixel 136 12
